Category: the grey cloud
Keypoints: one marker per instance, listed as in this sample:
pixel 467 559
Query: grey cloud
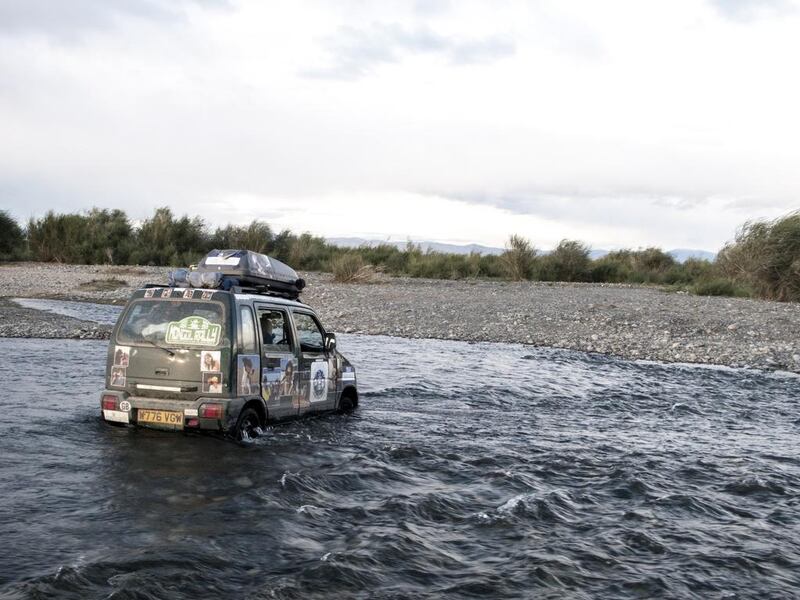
pixel 481 51
pixel 431 7
pixel 67 20
pixel 625 210
pixel 24 197
pixel 355 52
pixel 679 202
pixel 583 205
pixel 748 10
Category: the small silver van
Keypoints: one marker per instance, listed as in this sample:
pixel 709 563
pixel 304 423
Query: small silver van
pixel 226 360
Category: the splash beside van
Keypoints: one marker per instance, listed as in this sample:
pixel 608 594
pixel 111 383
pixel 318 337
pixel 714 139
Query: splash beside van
pixel 223 350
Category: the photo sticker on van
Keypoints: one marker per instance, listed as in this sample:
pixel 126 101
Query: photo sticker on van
pixel 193 331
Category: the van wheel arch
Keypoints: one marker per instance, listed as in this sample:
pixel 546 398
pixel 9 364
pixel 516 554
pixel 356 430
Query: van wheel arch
pixel 348 400
pixel 260 408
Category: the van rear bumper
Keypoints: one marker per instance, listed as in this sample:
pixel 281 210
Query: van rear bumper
pixel 126 411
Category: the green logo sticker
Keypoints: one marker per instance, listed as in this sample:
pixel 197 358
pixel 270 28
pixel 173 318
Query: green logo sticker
pixel 193 331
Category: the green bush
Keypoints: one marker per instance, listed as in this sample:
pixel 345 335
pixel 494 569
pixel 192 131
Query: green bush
pixel 652 260
pixel 164 240
pixel 309 253
pixel 491 266
pixel 650 265
pixel 12 239
pixel 58 238
pixel 256 237
pixel 765 255
pixel 691 270
pixel 388 256
pixel 609 270
pixel 109 237
pixel 719 286
pixel 519 259
pixel 569 261
pixel 763 260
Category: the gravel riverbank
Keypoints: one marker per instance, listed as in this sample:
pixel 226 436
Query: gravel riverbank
pixel 626 321
pixel 18 321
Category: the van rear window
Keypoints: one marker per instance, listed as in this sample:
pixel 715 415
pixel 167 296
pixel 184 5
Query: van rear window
pixel 173 323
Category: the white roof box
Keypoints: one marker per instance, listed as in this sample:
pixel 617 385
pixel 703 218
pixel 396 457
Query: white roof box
pixel 253 270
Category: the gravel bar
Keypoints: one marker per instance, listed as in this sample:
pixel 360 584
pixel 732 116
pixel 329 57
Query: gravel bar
pixel 17 321
pixel 634 322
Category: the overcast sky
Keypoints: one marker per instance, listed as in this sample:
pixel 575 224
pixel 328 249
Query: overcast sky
pixel 620 123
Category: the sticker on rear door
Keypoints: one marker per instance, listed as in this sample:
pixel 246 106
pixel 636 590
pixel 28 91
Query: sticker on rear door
pixel 210 360
pixel 193 331
pixel 122 356
pixel 118 378
pixel 212 382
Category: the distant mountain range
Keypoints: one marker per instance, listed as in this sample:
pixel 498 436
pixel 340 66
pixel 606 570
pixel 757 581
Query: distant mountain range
pixel 679 254
pixel 352 242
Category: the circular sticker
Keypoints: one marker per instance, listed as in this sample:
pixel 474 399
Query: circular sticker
pixel 125 405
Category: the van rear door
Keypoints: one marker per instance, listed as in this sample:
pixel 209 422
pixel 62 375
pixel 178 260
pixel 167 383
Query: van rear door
pixel 173 344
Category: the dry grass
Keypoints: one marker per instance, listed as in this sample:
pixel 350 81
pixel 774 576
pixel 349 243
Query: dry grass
pixel 126 270
pixel 351 268
pixel 103 285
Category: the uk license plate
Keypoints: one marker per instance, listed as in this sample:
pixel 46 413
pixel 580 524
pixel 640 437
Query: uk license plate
pixel 163 418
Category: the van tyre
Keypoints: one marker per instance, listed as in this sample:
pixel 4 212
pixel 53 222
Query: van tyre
pixel 248 427
pixel 346 404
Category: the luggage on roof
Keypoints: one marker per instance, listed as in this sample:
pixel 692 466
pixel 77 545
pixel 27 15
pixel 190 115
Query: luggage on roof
pixel 247 270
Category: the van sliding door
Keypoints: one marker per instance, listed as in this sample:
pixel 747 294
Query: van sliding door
pixel 279 369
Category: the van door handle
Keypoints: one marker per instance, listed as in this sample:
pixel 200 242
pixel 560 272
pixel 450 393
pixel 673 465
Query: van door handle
pixel 162 372
pixel 189 388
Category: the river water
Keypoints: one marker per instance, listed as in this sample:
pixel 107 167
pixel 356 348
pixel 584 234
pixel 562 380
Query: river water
pixel 469 471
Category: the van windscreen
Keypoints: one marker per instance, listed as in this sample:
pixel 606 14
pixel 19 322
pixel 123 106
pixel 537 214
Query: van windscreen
pixel 173 323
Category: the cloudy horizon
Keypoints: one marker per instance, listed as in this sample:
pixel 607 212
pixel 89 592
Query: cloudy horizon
pixel 621 124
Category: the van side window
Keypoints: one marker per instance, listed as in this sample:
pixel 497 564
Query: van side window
pixel 309 333
pixel 276 335
pixel 247 332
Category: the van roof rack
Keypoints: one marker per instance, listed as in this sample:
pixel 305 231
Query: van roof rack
pixel 263 290
pixel 233 286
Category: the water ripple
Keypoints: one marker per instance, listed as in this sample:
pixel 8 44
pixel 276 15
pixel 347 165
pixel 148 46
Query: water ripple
pixel 470 471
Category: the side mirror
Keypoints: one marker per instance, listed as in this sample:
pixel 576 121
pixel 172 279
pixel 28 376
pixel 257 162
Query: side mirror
pixel 330 342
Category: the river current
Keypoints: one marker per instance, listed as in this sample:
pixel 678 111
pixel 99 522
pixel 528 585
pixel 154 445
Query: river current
pixel 469 471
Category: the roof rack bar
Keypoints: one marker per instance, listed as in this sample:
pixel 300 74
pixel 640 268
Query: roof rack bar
pixel 261 290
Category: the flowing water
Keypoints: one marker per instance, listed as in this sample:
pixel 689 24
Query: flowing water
pixel 469 470
pixel 100 313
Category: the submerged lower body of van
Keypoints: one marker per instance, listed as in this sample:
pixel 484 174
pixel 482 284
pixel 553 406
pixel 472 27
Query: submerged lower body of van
pixel 239 418
pixel 203 414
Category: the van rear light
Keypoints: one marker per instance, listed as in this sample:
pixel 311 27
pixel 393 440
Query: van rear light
pixel 109 402
pixel 211 411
